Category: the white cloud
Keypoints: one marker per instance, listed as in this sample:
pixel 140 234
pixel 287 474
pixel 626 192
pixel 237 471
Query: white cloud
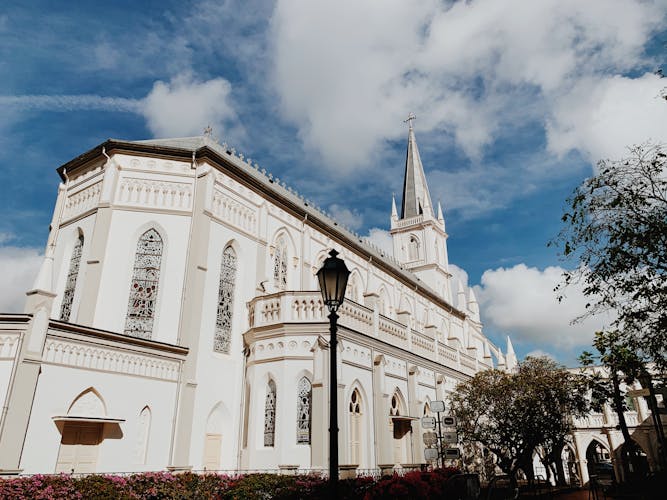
pixel 184 107
pixel 603 117
pixel 539 353
pixel 521 301
pixel 347 73
pixel 350 218
pixel 381 239
pixel 459 275
pixel 70 102
pixel 20 267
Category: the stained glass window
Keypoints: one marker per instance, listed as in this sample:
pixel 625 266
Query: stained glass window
pixel 270 414
pixel 280 265
pixel 223 322
pixel 144 286
pixel 70 285
pixel 304 398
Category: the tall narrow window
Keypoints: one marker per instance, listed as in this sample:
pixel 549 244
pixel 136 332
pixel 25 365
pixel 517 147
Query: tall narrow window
pixel 280 265
pixel 70 285
pixel 303 411
pixel 413 248
pixel 270 414
pixel 143 431
pixel 144 286
pixel 223 322
pixel 355 427
pixel 352 290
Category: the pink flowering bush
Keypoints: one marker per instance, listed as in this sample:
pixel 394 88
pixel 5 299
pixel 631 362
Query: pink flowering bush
pixel 186 486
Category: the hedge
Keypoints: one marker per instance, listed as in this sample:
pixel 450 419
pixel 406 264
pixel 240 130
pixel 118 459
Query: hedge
pixel 164 485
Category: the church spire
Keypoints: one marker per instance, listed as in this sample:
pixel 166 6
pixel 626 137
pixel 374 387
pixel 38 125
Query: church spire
pixel 416 198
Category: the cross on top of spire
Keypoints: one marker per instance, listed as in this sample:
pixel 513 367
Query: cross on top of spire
pixel 411 117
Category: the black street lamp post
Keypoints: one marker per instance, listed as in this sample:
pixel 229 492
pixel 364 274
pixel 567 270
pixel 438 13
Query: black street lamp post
pixel 333 281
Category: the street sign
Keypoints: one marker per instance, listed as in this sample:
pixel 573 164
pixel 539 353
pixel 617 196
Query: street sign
pixel 638 393
pixel 430 438
pixel 449 421
pixel 452 453
pixel 437 406
pixel 430 453
pixel 428 422
pixel 450 437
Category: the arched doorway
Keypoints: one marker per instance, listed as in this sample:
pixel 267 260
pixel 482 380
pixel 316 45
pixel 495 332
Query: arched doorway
pixel 598 461
pixel 400 427
pixel 354 411
pixel 633 466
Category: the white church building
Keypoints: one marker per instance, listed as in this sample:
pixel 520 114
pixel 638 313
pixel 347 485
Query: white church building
pixel 176 322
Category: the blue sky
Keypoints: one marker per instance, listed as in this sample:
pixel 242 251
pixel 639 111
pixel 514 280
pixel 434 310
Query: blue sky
pixel 515 103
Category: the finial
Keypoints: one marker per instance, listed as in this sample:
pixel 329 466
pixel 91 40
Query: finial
pixel 208 130
pixel 411 117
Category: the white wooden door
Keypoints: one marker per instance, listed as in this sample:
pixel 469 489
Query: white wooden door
pixel 79 447
pixel 355 439
pixel 212 448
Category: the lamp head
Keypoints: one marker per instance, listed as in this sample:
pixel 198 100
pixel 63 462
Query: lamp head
pixel 332 277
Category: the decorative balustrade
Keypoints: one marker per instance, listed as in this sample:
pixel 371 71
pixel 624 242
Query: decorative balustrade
pixel 154 193
pixel 409 222
pixel 82 201
pixel 307 307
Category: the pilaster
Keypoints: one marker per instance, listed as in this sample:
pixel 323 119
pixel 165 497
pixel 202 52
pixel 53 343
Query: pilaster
pixel 191 316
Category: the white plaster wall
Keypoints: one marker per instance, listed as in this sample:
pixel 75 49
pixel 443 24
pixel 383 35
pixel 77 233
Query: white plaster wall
pixel 124 397
pixel 220 376
pixel 285 451
pixel 125 229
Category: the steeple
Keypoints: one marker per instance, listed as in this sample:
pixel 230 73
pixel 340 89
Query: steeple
pixel 394 213
pixel 416 198
pixel 511 356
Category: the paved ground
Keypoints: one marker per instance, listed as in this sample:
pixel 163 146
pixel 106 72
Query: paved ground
pixel 575 495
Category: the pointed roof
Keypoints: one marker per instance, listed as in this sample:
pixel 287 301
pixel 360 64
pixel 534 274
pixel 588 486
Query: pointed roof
pixel 512 361
pixel 416 198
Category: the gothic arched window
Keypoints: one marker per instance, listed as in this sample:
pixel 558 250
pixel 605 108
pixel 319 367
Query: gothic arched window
pixel 70 284
pixel 352 291
pixel 280 264
pixel 304 398
pixel 143 431
pixel 223 322
pixel 413 248
pixel 144 286
pixel 270 414
pixel 395 409
pixel 355 427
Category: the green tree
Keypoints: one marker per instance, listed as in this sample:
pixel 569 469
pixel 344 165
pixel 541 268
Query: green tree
pixel 622 363
pixel 615 230
pixel 514 414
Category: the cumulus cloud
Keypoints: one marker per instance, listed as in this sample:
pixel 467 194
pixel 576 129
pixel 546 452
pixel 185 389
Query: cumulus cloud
pixel 459 275
pixel 20 267
pixel 381 239
pixel 346 74
pixel 185 106
pixel 346 216
pixel 521 301
pixel 603 117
